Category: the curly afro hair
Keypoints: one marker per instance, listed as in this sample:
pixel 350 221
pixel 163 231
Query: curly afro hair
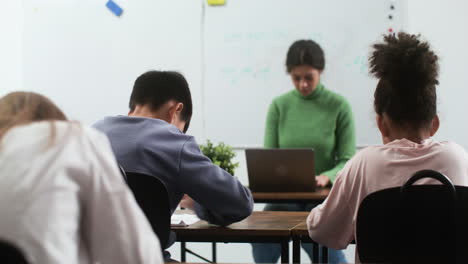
pixel 407 70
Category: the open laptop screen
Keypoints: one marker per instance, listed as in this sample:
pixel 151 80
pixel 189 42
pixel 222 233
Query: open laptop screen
pixel 280 170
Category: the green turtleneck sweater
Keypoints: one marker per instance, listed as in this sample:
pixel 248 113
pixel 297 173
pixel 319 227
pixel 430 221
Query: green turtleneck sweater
pixel 322 120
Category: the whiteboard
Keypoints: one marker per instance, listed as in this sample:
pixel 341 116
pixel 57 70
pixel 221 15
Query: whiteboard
pixel 245 51
pixel 86 59
pixel 11 41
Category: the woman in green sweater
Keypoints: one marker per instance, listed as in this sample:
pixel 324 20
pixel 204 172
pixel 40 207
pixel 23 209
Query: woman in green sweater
pixel 310 116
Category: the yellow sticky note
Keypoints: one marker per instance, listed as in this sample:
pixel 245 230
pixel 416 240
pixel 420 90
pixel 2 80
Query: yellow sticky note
pixel 216 2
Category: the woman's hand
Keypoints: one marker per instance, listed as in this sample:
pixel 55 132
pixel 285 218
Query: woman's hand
pixel 322 180
pixel 187 202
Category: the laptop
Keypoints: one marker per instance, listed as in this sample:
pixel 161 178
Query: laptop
pixel 280 170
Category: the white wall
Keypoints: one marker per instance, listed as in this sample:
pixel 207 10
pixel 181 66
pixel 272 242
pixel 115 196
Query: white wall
pixel 444 23
pixel 11 21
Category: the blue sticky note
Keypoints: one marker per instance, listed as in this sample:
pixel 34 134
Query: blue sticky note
pixel 114 8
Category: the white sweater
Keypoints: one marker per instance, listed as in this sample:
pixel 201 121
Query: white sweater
pixel 63 199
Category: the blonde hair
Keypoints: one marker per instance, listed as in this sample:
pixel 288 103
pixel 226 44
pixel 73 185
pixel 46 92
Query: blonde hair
pixel 21 108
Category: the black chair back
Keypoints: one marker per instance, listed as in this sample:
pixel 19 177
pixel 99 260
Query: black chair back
pixel 10 254
pixel 151 195
pixel 414 223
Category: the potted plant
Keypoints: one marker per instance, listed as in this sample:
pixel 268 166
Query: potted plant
pixel 220 155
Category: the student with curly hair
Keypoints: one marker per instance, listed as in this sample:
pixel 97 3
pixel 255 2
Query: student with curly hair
pixel 405 103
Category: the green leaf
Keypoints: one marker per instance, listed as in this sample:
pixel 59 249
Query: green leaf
pixel 220 155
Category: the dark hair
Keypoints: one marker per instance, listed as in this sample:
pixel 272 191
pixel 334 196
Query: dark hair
pixel 408 72
pixel 21 108
pixel 155 88
pixel 305 52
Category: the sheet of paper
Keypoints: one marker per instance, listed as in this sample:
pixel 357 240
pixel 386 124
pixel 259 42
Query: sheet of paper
pixel 183 219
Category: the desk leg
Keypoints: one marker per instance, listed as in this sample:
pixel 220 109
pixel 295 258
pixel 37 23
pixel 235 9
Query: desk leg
pixel 324 254
pixel 285 251
pixel 213 252
pixel 315 252
pixel 296 250
pixel 182 252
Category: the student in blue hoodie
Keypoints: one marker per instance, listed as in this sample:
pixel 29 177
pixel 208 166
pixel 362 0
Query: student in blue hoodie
pixel 152 140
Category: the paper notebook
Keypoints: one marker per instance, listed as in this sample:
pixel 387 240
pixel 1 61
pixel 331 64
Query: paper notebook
pixel 183 219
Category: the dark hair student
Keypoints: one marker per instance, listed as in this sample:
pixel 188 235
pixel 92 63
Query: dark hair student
pixel 305 52
pixel 309 116
pixel 407 70
pixel 152 140
pixel 155 88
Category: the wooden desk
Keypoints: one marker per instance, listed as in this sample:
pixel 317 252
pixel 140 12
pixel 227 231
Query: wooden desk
pixel 260 227
pixel 300 234
pixel 291 197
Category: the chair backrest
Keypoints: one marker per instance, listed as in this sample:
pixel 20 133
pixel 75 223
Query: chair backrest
pixel 122 171
pixel 10 254
pixel 151 194
pixel 414 223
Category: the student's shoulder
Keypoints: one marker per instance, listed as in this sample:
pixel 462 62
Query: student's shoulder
pixel 76 134
pixel 56 134
pixel 161 134
pixel 450 148
pixel 369 154
pixel 287 96
pixel 335 99
pixel 148 133
pixel 450 145
pixel 90 132
pixel 284 100
pixel 59 130
pixel 119 121
pixel 165 130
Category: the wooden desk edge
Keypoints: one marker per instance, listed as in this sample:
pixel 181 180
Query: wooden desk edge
pixel 320 194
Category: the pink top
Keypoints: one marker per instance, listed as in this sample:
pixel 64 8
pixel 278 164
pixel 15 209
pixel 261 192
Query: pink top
pixel 333 223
